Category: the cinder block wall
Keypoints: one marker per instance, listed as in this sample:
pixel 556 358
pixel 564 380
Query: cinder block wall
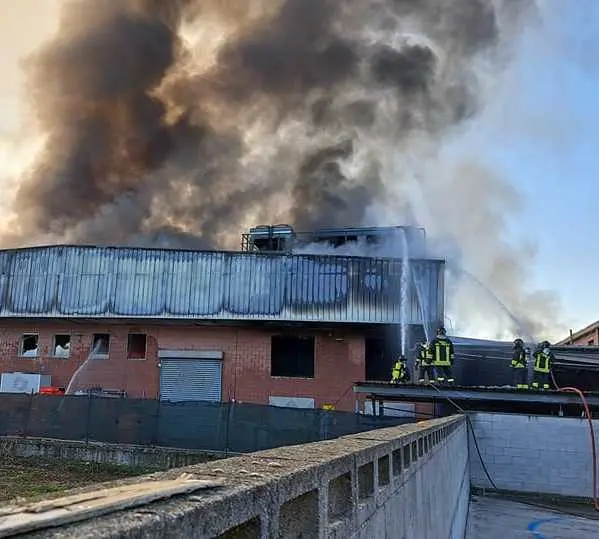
pixel 408 482
pixel 338 363
pixel 537 454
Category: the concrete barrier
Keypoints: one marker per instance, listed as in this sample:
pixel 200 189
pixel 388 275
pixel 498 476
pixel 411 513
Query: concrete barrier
pixel 127 455
pixel 401 482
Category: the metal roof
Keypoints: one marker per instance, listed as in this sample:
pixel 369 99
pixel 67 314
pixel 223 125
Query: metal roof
pixel 113 282
pixel 418 393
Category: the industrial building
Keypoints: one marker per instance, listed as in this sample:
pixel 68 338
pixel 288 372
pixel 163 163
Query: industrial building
pixel 290 319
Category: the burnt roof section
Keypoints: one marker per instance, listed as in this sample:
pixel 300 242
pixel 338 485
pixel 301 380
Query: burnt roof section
pixel 112 283
pixel 282 237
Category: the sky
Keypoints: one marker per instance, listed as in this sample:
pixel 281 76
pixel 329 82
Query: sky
pixel 555 162
pixel 23 25
pixel 540 131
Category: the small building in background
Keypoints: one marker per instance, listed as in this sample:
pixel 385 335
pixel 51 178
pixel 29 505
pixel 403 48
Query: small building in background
pixel 587 336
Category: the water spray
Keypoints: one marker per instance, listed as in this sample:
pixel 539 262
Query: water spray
pixel 423 303
pixel 405 291
pixel 519 325
pixel 73 379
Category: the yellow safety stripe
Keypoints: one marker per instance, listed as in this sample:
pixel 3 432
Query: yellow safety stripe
pixel 448 356
pixel 519 361
pixel 542 362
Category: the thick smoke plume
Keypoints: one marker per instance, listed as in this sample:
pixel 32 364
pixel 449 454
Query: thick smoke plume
pixel 182 123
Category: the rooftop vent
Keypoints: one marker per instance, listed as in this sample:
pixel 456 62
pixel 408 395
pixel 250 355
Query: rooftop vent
pixel 268 238
pixel 337 237
pixel 282 238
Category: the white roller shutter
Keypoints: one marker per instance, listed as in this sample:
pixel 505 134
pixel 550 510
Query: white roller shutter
pixel 195 376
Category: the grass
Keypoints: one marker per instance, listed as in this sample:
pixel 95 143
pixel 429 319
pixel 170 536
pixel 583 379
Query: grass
pixel 33 477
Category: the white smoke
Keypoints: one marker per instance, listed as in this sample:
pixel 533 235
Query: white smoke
pixel 450 186
pixel 250 123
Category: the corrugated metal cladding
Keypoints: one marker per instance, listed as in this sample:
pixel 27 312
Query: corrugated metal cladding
pixel 109 282
pixel 185 379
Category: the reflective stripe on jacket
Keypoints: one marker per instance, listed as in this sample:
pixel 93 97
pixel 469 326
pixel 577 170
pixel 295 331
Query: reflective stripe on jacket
pixel 542 361
pixel 519 359
pixel 425 356
pixel 443 354
pixel 399 371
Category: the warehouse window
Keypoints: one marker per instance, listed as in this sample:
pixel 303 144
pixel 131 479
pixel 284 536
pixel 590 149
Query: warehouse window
pixel 61 346
pixel 29 345
pixel 136 346
pixel 378 360
pixel 100 345
pixel 292 356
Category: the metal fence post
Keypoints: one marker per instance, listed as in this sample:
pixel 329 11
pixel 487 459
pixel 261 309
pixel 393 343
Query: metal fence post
pixel 28 416
pixel 88 418
pixel 229 406
pixel 326 419
pixel 154 441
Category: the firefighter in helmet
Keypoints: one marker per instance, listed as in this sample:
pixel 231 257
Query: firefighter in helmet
pixel 400 374
pixel 443 357
pixel 424 361
pixel 543 357
pixel 519 364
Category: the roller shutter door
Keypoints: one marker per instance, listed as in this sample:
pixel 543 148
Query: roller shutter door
pixel 190 379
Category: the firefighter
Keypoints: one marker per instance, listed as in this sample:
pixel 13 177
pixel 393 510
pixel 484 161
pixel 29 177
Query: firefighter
pixel 443 357
pixel 399 374
pixel 424 361
pixel 520 364
pixel 543 357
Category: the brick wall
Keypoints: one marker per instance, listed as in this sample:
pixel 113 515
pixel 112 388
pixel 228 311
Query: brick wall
pixel 339 360
pixel 138 377
pixel 588 338
pixel 540 454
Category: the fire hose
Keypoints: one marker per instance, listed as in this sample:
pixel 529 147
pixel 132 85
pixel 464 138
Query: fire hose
pixel 592 431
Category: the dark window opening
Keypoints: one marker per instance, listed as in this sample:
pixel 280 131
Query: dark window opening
pixel 136 346
pixel 292 356
pixel 378 360
pixel 406 457
pixel 61 347
pixel 29 342
pixel 100 345
pixel 591 342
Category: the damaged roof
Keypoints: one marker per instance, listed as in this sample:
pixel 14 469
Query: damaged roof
pixel 113 282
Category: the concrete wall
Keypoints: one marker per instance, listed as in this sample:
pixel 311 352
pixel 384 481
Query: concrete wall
pixel 125 455
pixel 408 482
pixel 338 362
pixel 540 454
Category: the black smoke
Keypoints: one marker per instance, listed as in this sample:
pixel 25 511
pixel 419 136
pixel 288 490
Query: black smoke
pixel 151 136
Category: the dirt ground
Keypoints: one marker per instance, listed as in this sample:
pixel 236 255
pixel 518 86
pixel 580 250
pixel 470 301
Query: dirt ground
pixel 33 477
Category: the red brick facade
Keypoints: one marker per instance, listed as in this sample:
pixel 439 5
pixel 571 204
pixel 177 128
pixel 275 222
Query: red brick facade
pixel 587 336
pixel 339 359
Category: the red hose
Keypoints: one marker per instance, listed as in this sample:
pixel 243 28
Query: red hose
pixel 593 446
